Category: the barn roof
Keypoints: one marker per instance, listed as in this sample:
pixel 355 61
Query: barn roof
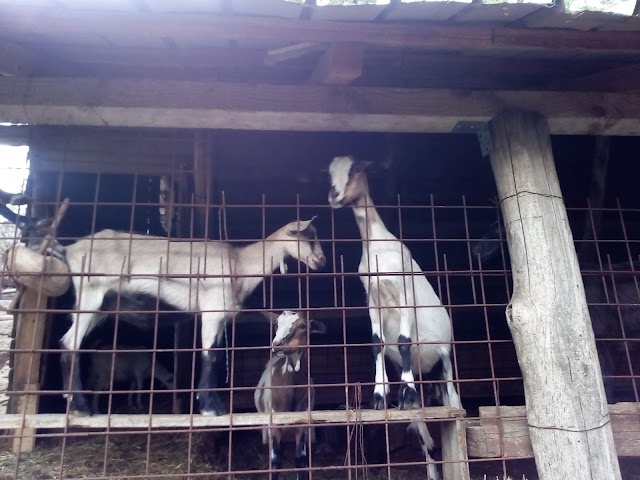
pixel 405 44
pixel 62 59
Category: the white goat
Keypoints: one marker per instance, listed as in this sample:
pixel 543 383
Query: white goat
pixel 210 277
pixel 288 371
pixel 402 302
pixel 131 367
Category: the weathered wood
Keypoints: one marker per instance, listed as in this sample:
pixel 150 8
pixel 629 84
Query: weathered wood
pixel 503 432
pixel 202 178
pixel 187 104
pixel 16 60
pixel 26 364
pixel 18 20
pixel 597 192
pixel 277 55
pixel 621 79
pixel 454 451
pixel 341 64
pixel 547 315
pixel 59 420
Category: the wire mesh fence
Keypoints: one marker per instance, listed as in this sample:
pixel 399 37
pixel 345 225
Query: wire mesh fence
pixel 175 341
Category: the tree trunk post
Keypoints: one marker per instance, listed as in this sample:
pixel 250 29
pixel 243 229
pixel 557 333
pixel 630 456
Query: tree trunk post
pixel 567 411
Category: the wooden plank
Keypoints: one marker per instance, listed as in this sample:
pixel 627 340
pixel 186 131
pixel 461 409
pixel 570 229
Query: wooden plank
pixel 190 104
pixel 547 314
pixel 341 64
pixel 60 420
pixel 17 21
pixel 16 59
pixel 454 451
pixel 26 365
pixel 620 79
pixel 504 432
pixel 290 52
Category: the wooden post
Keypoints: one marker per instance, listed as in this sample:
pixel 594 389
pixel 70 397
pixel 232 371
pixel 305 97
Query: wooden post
pixel 202 178
pixel 454 449
pixel 26 366
pixel 567 410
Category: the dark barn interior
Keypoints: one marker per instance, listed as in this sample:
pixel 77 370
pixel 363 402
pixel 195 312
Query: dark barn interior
pixel 434 191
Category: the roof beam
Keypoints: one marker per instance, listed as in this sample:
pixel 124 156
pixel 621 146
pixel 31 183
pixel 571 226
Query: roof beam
pixel 18 21
pixel 16 60
pixel 190 104
pixel 619 79
pixel 341 64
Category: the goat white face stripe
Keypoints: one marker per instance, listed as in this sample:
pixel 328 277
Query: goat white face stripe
pixel 339 169
pixel 286 321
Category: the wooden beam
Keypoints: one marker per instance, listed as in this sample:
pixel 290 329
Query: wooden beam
pixel 56 25
pixel 26 365
pixel 620 79
pixel 341 64
pixel 188 104
pixel 16 60
pixel 547 314
pixel 503 432
pixel 277 55
pixel 61 420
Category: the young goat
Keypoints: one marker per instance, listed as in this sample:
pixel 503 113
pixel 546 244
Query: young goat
pixel 131 367
pixel 211 277
pixel 402 302
pixel 287 371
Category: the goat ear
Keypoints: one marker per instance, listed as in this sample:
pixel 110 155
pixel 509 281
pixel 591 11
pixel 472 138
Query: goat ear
pixel 271 316
pixel 362 165
pixel 298 227
pixel 317 327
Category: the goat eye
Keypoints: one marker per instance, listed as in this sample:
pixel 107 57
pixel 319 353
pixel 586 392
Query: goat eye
pixel 302 327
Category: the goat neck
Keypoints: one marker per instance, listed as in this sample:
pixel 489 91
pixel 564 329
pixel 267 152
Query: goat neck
pixel 254 261
pixel 369 222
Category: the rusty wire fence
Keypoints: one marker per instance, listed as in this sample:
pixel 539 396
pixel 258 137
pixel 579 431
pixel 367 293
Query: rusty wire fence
pixel 140 368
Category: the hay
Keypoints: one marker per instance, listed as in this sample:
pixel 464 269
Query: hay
pixel 127 458
pixel 84 458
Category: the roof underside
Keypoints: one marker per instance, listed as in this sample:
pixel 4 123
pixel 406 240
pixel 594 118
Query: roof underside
pixel 420 45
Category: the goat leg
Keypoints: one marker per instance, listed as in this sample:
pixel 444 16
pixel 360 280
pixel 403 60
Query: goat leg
pixel 302 456
pixel 73 383
pixel 209 399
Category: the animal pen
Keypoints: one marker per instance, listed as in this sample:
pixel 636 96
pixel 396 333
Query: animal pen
pixel 252 204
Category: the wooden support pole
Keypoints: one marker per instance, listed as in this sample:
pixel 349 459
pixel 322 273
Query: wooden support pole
pixel 202 178
pixel 26 365
pixel 567 410
pixel 454 450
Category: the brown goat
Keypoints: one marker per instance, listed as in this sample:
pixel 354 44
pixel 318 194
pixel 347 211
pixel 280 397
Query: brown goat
pixel 285 385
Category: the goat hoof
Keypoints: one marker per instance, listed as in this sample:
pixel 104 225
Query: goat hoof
pixel 378 402
pixel 407 397
pixel 211 404
pixel 79 406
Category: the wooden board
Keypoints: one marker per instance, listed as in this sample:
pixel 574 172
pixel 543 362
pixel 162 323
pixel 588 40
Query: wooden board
pixel 26 365
pixel 503 431
pixel 237 420
pixel 191 104
pixel 19 22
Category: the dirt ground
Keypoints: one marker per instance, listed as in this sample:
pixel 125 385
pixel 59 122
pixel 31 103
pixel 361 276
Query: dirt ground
pixel 197 456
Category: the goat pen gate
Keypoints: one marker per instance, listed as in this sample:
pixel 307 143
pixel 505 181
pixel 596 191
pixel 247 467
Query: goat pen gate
pixel 195 187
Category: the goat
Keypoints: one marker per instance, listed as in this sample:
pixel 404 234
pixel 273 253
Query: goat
pixel 613 300
pixel 133 367
pixel 287 371
pixel 402 302
pixel 209 277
